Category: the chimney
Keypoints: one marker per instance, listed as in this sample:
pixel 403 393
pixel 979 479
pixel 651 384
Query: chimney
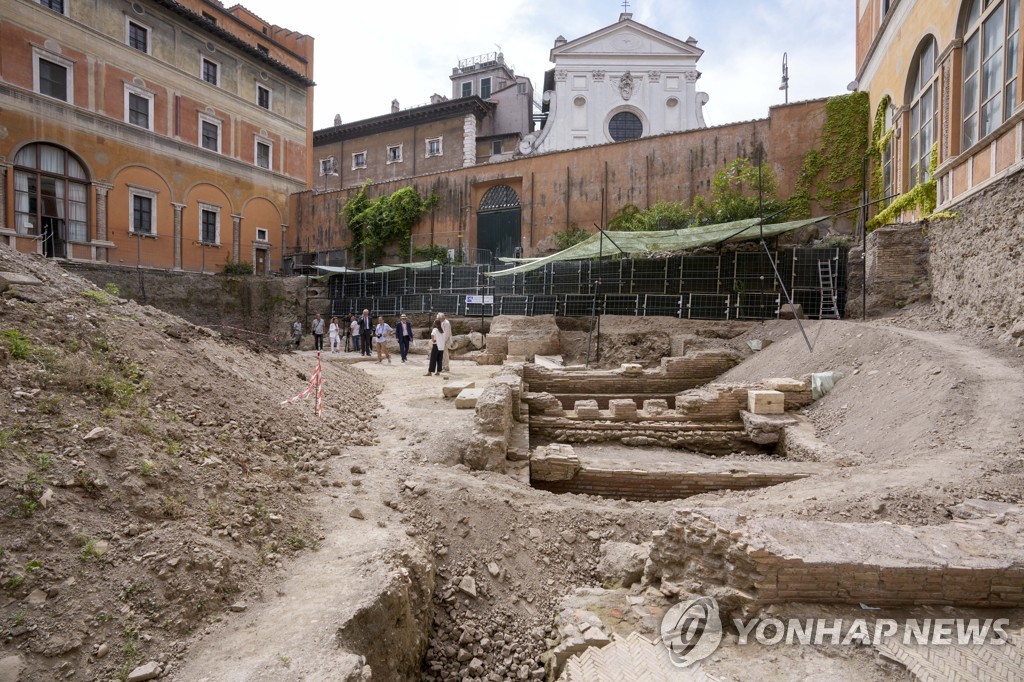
pixel 394 106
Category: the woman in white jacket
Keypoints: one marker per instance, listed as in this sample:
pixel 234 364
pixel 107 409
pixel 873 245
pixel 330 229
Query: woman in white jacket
pixel 334 331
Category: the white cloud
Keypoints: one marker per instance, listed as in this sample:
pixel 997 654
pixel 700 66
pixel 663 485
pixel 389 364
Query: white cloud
pixel 370 53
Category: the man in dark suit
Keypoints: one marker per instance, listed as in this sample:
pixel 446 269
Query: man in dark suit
pixel 365 332
pixel 404 334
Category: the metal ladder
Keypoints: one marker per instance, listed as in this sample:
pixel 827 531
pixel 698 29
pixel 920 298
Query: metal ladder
pixel 829 307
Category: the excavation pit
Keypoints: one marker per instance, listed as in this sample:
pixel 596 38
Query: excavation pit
pixel 653 474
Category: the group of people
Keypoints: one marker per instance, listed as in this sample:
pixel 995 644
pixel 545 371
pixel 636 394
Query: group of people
pixel 361 333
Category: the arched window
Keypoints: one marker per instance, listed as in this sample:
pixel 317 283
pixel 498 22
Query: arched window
pixel 887 158
pixel 924 120
pixel 991 43
pixel 625 125
pixel 50 197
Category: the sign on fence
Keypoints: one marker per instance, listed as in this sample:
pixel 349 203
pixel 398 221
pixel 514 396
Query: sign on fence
pixel 479 300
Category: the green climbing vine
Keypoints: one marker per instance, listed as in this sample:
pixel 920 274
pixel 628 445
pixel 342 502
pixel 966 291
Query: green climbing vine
pixel 387 220
pixel 832 173
pixel 880 141
pixel 921 197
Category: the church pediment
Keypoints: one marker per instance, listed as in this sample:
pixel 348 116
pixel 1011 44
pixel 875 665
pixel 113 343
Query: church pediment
pixel 627 37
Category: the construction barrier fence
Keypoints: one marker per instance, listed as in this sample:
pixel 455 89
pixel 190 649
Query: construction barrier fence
pixel 738 285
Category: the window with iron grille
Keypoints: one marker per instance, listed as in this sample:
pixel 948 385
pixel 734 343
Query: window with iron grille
pixel 625 125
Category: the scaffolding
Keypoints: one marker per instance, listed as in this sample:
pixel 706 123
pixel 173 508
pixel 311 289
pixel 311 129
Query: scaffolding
pixel 738 285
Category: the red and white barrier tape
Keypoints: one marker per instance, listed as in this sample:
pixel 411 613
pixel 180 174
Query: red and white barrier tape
pixel 315 388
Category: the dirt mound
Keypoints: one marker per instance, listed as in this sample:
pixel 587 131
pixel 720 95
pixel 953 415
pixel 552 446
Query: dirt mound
pixel 150 474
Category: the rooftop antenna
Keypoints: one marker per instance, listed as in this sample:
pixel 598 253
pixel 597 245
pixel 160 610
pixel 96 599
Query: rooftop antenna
pixel 785 75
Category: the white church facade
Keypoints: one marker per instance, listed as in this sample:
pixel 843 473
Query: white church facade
pixel 621 82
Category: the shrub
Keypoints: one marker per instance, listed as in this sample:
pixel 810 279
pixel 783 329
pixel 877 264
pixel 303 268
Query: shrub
pixel 237 268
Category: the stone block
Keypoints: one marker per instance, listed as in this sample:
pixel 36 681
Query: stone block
pixel 544 403
pixel 766 402
pixel 497 344
pixel 490 358
pixel 453 388
pixel 9 279
pixel 631 369
pixel 494 410
pixel 787 385
pixel 514 359
pixel 486 452
pixel 622 563
pixel 622 408
pixel 587 409
pixel 467 398
pixel 791 312
pixel 655 406
pixel 550 361
pixel 765 429
pixel 555 462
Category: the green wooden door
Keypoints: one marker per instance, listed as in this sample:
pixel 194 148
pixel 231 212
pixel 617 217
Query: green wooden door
pixel 498 224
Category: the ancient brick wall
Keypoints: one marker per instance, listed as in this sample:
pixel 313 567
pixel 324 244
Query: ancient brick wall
pixel 897 270
pixel 675 375
pixel 658 485
pixel 779 560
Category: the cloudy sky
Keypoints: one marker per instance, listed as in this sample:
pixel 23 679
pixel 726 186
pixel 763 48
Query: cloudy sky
pixel 368 53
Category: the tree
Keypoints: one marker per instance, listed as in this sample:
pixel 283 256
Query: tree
pixel 378 223
pixel 734 196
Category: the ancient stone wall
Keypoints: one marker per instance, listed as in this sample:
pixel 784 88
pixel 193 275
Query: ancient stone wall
pixel 264 307
pixel 897 270
pixel 763 561
pixel 977 273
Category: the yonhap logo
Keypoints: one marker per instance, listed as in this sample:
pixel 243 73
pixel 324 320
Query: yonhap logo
pixel 691 631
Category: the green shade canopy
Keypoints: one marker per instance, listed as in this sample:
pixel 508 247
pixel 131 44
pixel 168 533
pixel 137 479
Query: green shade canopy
pixel 630 243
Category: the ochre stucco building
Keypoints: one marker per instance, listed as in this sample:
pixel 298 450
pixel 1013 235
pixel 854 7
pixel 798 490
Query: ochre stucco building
pixel 158 133
pixel 944 75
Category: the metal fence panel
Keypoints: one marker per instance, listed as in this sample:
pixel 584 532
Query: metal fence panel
pixel 757 306
pixel 544 305
pixel 707 306
pixel 662 306
pixel 699 274
pixel 621 304
pixel 512 305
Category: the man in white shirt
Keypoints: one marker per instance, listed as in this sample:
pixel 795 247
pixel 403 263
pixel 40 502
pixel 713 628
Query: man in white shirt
pixel 447 327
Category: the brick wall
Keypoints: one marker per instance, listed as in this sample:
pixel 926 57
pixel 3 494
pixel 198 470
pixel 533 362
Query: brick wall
pixel 897 270
pixel 658 485
pixel 675 375
pixel 779 560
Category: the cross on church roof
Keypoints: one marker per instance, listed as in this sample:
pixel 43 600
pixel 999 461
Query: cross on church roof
pixel 625 5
